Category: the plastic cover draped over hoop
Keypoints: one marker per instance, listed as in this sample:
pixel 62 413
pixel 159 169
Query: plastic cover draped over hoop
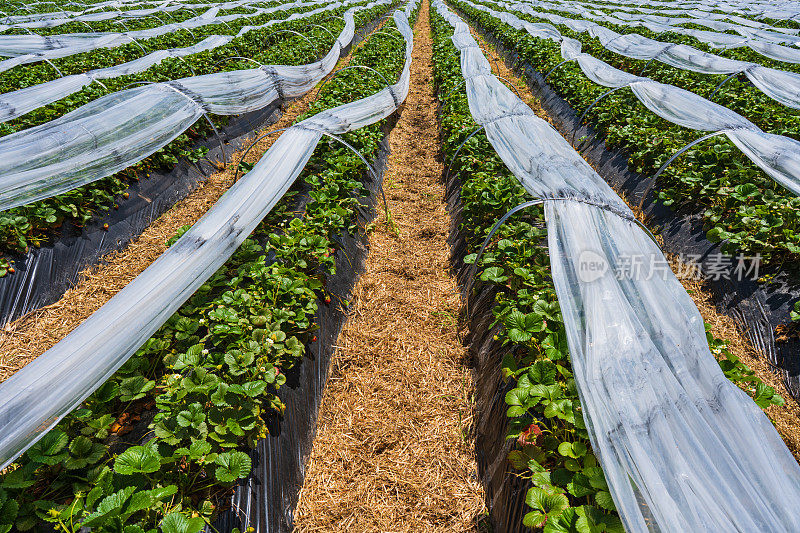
pixel 60 18
pixel 118 130
pixel 31 48
pixel 17 103
pixel 682 448
pixel 778 156
pixel 762 43
pixel 34 399
pixel 780 85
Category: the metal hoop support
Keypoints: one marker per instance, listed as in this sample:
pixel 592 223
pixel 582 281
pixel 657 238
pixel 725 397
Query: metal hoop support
pixel 387 34
pixel 339 17
pixel 510 85
pixel 238 58
pixel 54 66
pixel 646 65
pixel 458 85
pixel 363 160
pixel 671 159
pixel 453 159
pixel 322 27
pixel 294 32
pixel 395 28
pixel 190 32
pixel 326 80
pixel 208 119
pixel 496 65
pixel 100 83
pixel 474 268
pixel 182 60
pixel 710 96
pixel 540 201
pixel 583 116
pixel 371 170
pixel 555 67
pixel 244 154
pixel 155 17
pixel 136 42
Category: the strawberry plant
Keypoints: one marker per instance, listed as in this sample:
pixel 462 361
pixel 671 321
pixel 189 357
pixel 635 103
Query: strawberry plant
pixel 568 491
pixel 713 178
pixel 34 224
pixel 163 441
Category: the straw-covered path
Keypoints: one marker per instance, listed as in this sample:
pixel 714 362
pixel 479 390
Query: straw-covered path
pixel 393 451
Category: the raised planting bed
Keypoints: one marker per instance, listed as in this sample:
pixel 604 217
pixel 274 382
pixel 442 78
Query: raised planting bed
pixel 761 308
pixel 168 438
pixel 534 456
pixel 35 223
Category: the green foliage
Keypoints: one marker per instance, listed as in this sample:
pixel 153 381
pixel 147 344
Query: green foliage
pixel 33 224
pixel 569 492
pixel 211 373
pixel 740 205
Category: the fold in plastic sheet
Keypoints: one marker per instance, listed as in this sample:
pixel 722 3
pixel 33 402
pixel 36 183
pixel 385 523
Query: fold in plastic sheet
pixel 682 448
pixel 113 132
pixel 34 399
pixel 776 155
pixel 17 103
pixel 31 48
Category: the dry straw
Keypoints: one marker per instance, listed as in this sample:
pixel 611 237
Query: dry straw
pixel 393 451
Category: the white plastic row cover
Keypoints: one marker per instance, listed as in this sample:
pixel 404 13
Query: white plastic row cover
pixel 34 399
pixel 682 448
pixel 777 155
pixel 17 103
pixel 115 131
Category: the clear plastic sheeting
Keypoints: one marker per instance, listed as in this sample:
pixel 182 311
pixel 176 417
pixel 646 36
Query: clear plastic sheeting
pixel 17 103
pixel 59 18
pixel 778 156
pixel 113 132
pixel 682 448
pixel 34 399
pixel 780 44
pixel 705 9
pixel 32 48
pixel 780 85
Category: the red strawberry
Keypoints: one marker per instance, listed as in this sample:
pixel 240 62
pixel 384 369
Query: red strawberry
pixel 530 435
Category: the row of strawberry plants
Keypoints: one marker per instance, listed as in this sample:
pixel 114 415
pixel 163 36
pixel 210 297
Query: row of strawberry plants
pixel 28 9
pixel 740 205
pixel 210 374
pixel 33 224
pixel 612 7
pixel 742 53
pixel 130 23
pixel 34 73
pixel 743 98
pixel 568 491
pixel 289 47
